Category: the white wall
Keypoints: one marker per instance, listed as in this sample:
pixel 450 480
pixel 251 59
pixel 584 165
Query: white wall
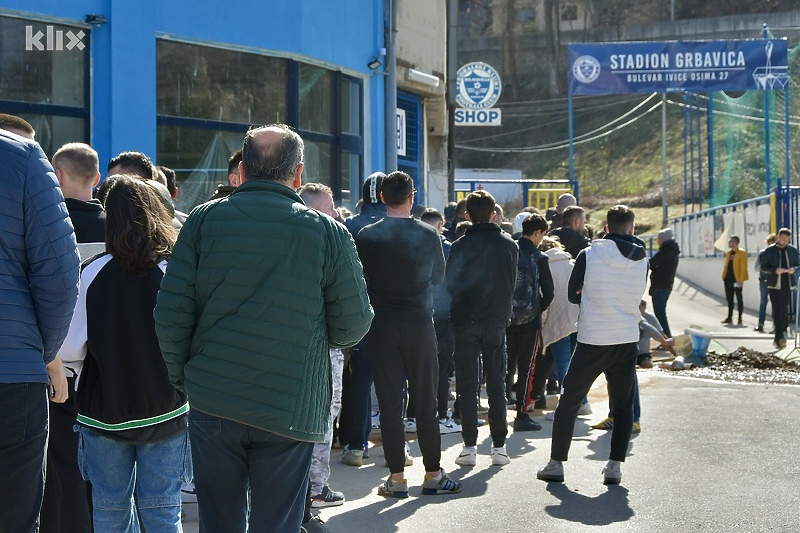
pixel 706 273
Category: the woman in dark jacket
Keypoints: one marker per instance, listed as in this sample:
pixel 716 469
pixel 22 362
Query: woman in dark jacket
pixel 133 423
pixel 663 266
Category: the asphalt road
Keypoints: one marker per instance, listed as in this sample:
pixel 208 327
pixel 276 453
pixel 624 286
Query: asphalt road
pixel 712 456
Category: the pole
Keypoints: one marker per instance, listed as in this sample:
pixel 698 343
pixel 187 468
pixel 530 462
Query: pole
pixel 571 143
pixel 710 126
pixel 685 159
pixel 691 146
pixel 699 154
pixel 664 217
pixel 786 132
pixel 390 87
pixel 452 58
pixel 766 126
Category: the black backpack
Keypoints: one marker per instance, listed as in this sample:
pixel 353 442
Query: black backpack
pixel 526 301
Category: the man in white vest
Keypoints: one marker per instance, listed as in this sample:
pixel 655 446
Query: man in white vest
pixel 608 282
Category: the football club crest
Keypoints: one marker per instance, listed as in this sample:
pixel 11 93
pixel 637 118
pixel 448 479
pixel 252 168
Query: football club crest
pixel 586 69
pixel 478 86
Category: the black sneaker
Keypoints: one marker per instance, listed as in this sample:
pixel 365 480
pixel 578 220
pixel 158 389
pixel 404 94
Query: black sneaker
pixel 728 320
pixel 759 329
pixel 315 525
pixel 540 403
pixel 327 498
pixel 526 423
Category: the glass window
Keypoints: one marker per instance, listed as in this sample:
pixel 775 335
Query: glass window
pixel 224 85
pixel 569 12
pixel 351 107
pixel 351 170
pixel 315 99
pixel 53 132
pixel 199 158
pixel 317 166
pixel 56 74
pixel 207 97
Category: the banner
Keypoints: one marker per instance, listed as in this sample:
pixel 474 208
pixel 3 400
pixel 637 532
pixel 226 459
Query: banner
pixel 677 66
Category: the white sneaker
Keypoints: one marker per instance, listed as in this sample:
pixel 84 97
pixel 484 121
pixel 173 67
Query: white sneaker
pixel 411 425
pixel 447 426
pixel 585 410
pixel 612 473
pixel 409 459
pixel 376 421
pixel 468 456
pixel 550 416
pixel 500 456
pixel 552 471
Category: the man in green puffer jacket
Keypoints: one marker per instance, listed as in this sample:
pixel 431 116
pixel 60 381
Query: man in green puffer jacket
pixel 258 287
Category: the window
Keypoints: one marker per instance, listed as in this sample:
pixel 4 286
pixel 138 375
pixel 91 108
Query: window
pixel 526 14
pixel 207 98
pixel 49 87
pixel 569 12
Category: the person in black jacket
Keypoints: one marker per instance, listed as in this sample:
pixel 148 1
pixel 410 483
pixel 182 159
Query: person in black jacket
pixel 779 264
pixel 403 261
pixel 663 266
pixel 355 421
pixel 77 170
pixel 480 277
pixel 571 231
pixel 67 496
pixel 444 330
pixel 133 423
pixel 534 284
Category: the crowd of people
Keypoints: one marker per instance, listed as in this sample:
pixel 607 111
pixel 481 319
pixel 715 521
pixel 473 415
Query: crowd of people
pixel 226 351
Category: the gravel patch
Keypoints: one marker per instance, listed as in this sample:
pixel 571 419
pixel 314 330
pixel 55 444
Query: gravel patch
pixel 746 365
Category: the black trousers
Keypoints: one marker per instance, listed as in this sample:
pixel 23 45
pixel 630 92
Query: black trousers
pixel 67 504
pixel 403 345
pixel 730 292
pixel 618 361
pixel 475 341
pixel 779 298
pixel 23 440
pixel 446 343
pixel 524 345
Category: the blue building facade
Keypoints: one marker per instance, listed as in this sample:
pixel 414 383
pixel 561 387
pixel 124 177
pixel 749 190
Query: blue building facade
pixel 182 81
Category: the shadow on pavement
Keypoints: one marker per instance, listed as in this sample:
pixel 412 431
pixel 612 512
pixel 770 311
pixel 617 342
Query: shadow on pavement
pixel 608 507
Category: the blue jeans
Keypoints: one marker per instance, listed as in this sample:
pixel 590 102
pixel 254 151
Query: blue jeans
pixel 562 353
pixel 154 470
pixel 23 439
pixel 762 304
pixel 230 458
pixel 660 297
pixel 637 406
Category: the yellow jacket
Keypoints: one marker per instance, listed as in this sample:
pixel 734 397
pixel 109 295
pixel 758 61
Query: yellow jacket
pixel 739 265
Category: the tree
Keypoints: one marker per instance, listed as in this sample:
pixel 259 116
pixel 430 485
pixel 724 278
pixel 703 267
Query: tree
pixel 553 38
